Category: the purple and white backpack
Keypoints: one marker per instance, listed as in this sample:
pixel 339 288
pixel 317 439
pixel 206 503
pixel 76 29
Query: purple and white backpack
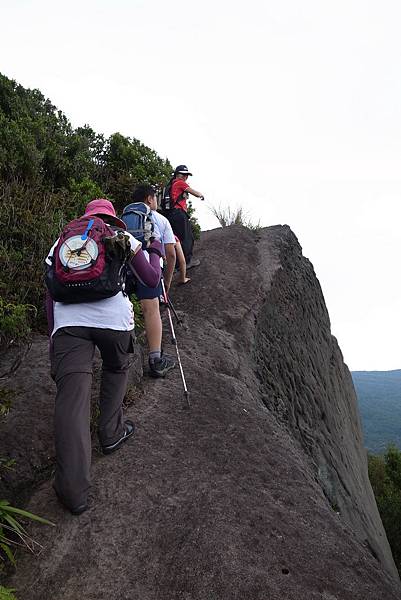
pixel 85 266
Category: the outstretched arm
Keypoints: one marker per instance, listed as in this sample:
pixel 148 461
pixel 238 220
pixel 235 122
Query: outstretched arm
pixel 195 193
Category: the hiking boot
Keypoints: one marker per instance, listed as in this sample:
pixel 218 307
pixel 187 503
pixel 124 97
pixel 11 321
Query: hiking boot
pixel 194 262
pixel 74 510
pixel 161 366
pixel 78 510
pixel 129 429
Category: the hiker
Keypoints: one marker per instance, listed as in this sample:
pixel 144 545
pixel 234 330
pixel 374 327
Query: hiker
pixel 93 312
pixel 159 364
pixel 176 212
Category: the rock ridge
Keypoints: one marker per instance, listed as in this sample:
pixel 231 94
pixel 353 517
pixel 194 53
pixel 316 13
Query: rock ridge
pixel 260 490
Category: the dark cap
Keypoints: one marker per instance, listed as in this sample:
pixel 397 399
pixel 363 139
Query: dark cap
pixel 182 169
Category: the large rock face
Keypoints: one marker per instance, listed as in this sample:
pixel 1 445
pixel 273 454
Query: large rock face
pixel 307 384
pixel 258 491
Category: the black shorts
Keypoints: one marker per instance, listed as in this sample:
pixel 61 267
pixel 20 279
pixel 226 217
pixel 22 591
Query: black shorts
pixel 144 292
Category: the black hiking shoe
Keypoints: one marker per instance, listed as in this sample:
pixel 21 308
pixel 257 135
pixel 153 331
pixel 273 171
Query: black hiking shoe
pixel 74 510
pixel 78 510
pixel 129 429
pixel 161 366
pixel 194 262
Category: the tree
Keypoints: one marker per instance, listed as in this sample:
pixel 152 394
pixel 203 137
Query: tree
pixel 126 163
pixel 385 477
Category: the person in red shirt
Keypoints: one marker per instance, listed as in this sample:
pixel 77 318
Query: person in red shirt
pixel 177 213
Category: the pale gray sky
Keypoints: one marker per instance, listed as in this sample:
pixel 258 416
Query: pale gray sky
pixel 291 109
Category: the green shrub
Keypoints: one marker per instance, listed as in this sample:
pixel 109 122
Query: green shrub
pixel 6 464
pixel 385 477
pixel 7 593
pixel 138 314
pixel 81 193
pixel 15 321
pixel 31 221
pixel 7 396
pixel 194 221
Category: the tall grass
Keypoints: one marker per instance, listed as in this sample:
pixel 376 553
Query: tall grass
pixel 13 534
pixel 228 216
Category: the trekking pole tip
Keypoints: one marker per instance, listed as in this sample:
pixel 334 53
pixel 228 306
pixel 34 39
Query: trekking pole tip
pixel 186 396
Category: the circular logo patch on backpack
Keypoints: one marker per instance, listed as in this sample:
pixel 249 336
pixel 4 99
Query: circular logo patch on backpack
pixel 77 254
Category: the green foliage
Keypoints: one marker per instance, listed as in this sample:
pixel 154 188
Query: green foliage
pixel 7 593
pixel 81 192
pixel 6 400
pixel 139 320
pixel 15 321
pixel 126 163
pixel 7 464
pixel 37 142
pixel 385 477
pixel 228 216
pixel 31 219
pixel 194 221
pixel 12 531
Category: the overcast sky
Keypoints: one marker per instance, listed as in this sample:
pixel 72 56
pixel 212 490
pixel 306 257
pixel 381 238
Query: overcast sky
pixel 291 109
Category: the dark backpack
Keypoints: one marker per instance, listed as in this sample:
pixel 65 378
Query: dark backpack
pixel 88 262
pixel 166 202
pixel 136 217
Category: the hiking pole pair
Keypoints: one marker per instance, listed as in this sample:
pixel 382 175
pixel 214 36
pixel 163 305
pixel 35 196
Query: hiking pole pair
pixel 174 341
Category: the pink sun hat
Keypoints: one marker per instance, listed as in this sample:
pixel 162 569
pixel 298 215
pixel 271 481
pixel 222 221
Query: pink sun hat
pixel 101 207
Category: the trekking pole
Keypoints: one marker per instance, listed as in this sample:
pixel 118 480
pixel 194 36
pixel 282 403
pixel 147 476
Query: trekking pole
pixel 174 341
pixel 179 321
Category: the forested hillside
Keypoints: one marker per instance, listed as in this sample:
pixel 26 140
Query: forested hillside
pixel 379 399
pixel 48 172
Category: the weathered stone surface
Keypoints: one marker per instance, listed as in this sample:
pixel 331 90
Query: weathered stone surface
pixel 260 490
pixel 307 384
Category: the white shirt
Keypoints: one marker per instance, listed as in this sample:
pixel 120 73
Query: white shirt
pixel 162 228
pixel 116 312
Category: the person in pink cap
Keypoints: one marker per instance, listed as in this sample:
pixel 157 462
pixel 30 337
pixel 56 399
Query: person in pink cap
pixel 76 329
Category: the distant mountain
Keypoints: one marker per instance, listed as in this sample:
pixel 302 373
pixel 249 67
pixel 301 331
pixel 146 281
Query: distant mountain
pixel 379 398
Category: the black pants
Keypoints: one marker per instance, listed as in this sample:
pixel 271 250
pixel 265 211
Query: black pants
pixel 182 228
pixel 72 352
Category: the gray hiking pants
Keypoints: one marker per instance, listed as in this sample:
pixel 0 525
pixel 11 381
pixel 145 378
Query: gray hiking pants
pixel 71 355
